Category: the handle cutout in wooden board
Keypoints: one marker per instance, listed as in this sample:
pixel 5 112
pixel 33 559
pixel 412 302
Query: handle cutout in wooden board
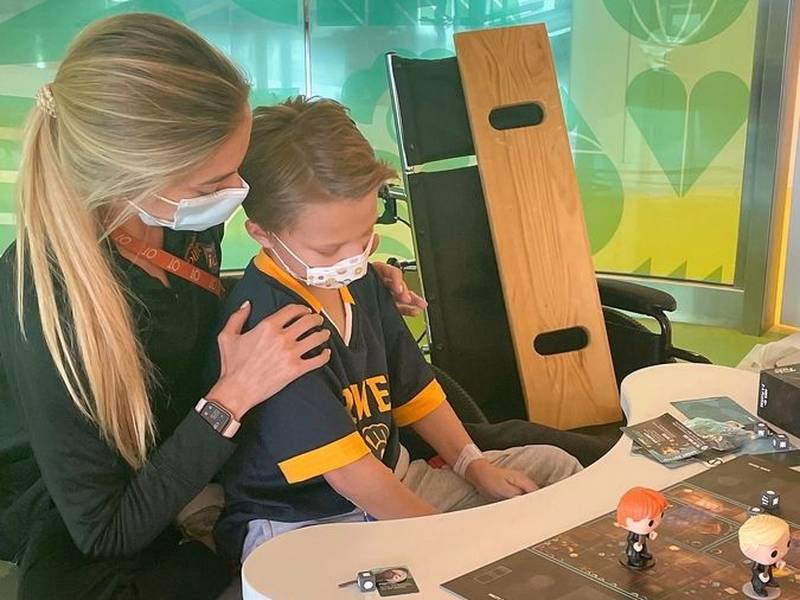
pixel 516 116
pixel 560 341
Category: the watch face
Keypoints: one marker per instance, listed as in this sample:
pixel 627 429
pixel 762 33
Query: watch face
pixel 216 416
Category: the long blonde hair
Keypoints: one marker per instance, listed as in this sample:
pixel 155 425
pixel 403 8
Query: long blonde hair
pixel 138 100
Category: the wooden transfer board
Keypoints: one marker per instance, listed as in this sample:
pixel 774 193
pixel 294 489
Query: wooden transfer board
pixel 538 229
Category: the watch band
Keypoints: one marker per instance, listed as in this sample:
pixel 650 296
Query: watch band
pixel 226 427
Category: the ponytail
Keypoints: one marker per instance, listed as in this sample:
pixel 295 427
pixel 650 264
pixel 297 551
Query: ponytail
pixel 120 121
pixel 99 358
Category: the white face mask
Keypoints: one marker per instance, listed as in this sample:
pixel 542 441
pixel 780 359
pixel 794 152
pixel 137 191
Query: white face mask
pixel 200 213
pixel 337 275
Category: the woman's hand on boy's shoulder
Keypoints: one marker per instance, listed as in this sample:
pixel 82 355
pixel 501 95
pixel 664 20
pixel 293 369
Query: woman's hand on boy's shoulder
pixel 408 303
pixel 259 363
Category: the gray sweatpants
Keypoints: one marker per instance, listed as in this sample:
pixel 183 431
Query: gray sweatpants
pixel 440 487
pixel 448 492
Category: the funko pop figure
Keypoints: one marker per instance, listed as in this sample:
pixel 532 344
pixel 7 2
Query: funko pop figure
pixel 640 512
pixel 765 540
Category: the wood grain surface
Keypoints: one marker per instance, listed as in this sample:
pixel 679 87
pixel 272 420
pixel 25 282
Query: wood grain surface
pixel 538 228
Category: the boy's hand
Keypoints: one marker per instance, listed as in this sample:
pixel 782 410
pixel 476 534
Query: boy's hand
pixel 408 303
pixel 497 483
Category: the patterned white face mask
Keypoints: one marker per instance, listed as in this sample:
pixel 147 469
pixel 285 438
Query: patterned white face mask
pixel 338 275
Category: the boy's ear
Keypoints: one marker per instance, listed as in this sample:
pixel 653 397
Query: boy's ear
pixel 258 234
pixel 376 241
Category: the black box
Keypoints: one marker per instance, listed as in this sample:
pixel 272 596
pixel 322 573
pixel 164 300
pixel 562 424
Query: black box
pixel 779 398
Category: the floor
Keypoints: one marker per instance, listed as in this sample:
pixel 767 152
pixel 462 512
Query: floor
pixel 722 346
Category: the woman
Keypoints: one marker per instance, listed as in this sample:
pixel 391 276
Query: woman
pixel 129 169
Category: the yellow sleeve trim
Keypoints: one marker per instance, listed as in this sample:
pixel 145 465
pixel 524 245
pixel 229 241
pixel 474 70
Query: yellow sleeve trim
pixel 421 405
pixel 327 458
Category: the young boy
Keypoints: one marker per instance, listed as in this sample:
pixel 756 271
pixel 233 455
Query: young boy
pixel 326 447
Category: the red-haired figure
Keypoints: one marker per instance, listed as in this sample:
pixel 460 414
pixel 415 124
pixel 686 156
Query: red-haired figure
pixel 640 511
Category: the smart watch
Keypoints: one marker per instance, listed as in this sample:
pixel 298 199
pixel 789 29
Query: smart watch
pixel 220 419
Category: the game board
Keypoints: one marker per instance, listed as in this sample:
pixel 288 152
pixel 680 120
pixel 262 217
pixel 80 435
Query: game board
pixel 697 552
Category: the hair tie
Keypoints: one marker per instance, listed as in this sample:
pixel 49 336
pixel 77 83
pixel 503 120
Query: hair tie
pixel 45 100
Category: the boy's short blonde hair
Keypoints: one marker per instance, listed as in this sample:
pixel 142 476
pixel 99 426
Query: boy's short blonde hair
pixel 306 150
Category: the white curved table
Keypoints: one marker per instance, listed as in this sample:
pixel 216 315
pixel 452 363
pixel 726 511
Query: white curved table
pixel 308 564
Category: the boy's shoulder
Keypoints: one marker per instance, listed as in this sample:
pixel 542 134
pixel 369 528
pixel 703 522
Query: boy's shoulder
pixel 266 296
pixel 370 290
pixel 365 285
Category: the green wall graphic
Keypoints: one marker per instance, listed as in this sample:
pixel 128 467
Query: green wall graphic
pixel 665 87
pixel 675 23
pixel 655 94
pixel 43 32
pixel 684 131
pixel 602 192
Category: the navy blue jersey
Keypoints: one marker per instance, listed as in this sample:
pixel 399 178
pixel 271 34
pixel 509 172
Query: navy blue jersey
pixel 375 382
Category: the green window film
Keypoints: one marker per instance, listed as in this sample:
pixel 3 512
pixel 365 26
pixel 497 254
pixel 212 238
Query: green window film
pixel 656 96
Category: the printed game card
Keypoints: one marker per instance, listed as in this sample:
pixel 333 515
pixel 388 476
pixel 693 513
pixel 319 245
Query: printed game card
pixel 726 425
pixel 395 581
pixel 666 439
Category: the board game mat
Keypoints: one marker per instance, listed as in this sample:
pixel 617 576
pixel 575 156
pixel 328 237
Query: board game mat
pixel 697 551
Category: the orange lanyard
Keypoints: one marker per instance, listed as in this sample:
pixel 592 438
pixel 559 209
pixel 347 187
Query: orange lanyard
pixel 168 262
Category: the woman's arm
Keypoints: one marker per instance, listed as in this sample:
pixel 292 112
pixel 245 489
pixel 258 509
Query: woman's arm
pixel 110 509
pixel 372 486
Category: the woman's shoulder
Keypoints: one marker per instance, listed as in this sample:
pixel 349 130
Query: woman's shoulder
pixel 8 260
pixel 8 291
pixel 13 340
pixel 8 283
pixel 11 333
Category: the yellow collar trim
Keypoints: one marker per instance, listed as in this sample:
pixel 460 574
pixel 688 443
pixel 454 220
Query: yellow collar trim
pixel 266 265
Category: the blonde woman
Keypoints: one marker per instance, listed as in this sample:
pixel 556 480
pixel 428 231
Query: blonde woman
pixel 107 302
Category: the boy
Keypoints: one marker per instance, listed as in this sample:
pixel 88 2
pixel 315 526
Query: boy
pixel 326 447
